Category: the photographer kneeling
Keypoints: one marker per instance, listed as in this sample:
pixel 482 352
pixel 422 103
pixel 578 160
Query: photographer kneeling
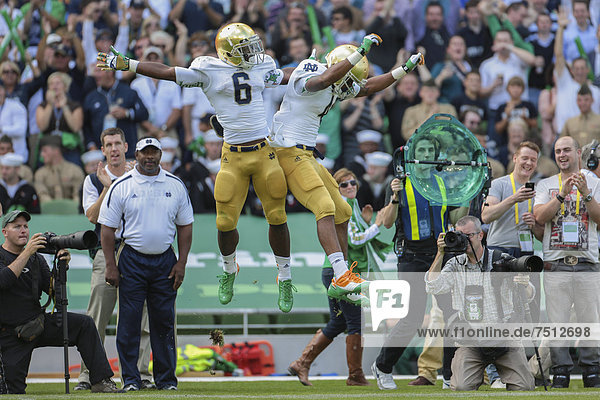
pixel 468 277
pixel 24 326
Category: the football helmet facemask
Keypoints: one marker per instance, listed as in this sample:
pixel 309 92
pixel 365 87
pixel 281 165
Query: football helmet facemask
pixel 238 46
pixel 345 88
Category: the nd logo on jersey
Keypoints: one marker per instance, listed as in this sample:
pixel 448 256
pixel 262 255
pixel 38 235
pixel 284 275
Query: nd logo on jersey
pixel 310 67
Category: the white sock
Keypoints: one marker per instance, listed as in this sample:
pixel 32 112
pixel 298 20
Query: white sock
pixel 283 265
pixel 338 263
pixel 229 264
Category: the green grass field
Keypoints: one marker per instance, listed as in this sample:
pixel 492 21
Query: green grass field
pixel 322 389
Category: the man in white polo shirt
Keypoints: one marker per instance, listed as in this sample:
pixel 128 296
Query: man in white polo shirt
pixel 152 205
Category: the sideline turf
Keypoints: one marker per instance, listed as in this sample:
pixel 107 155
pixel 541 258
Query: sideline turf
pixel 322 389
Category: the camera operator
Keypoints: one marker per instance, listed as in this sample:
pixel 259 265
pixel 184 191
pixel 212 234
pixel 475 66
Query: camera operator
pixel 468 278
pixel 24 326
pixel 568 204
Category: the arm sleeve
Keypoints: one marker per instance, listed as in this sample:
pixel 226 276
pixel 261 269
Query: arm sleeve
pixel 90 194
pixel 273 78
pixel 443 283
pixel 359 239
pixel 18 126
pixel 111 209
pixel 542 195
pixel 185 214
pixel 187 77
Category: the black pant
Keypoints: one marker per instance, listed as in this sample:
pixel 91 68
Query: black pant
pixel 16 353
pixel 404 330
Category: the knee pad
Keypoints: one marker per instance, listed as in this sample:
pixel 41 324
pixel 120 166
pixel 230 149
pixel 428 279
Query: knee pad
pixel 343 212
pixel 322 206
pixel 276 184
pixel 224 186
pixel 225 223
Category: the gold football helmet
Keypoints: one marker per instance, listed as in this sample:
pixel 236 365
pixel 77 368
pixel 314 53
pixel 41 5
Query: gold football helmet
pixel 238 46
pixel 344 88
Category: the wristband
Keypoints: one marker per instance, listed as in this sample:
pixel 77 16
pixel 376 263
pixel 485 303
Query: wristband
pixel 133 64
pixel 399 72
pixel 354 58
pixel 560 198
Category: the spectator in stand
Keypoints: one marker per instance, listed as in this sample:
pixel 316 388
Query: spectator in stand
pixel 298 52
pixel 403 10
pixel 450 74
pixel 104 13
pixel 369 141
pixel 515 108
pixel 373 184
pixel 135 17
pixel 249 12
pixel 198 15
pixel 291 23
pixel 138 48
pixel 34 11
pixel 414 116
pixel 13 122
pixel 341 21
pixel 6 146
pixel 161 98
pixel 477 36
pixel 515 14
pixel 537 7
pixel 473 122
pixel 471 100
pixel 398 99
pixel 17 193
pixel 13 89
pixel 581 27
pixel 594 58
pixel 165 43
pixel 436 37
pixel 584 127
pixel 568 86
pixel 58 115
pixel 150 25
pixel 543 49
pixel 385 22
pixel 327 7
pixel 547 109
pixel 112 104
pixel 451 11
pixel 57 179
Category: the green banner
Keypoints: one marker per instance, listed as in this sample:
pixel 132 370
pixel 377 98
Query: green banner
pixel 255 286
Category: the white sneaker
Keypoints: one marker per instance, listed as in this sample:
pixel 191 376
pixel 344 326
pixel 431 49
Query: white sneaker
pixel 498 384
pixel 446 384
pixel 384 381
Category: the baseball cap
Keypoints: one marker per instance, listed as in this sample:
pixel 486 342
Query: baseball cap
pixel 91 156
pixel 14 214
pixel 368 135
pixel 52 39
pixel 153 50
pixel 147 142
pixel 378 159
pixel 11 160
pixel 168 142
pixel 137 4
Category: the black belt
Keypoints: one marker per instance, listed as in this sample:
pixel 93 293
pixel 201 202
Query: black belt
pixel 303 147
pixel 569 260
pixel 245 149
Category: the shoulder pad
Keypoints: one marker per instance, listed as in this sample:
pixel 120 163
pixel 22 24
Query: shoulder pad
pixel 204 62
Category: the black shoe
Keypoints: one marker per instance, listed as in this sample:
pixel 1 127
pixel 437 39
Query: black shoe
pixel 147 384
pixel 561 381
pixel 105 386
pixel 83 386
pixel 591 381
pixel 539 382
pixel 168 387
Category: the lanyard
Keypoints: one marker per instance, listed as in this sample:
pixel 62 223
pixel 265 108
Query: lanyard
pixel 512 182
pixel 57 116
pixel 562 205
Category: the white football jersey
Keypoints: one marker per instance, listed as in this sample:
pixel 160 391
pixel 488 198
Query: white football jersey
pixel 299 116
pixel 236 95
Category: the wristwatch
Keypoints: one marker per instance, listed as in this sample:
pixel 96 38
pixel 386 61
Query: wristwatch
pixel 560 198
pixel 588 198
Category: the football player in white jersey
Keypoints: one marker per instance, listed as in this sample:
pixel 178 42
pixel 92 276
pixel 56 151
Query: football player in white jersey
pixel 234 83
pixel 312 90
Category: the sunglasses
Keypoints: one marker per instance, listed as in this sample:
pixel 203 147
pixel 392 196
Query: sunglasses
pixel 9 71
pixel 347 183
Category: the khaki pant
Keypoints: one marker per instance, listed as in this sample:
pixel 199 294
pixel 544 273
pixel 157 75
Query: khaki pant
pixel 100 307
pixel 430 360
pixel 468 367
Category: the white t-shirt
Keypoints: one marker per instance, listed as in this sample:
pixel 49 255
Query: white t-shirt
pixel 160 100
pixel 13 123
pixel 195 97
pixel 150 209
pixel 492 67
pixel 566 99
pixel 587 237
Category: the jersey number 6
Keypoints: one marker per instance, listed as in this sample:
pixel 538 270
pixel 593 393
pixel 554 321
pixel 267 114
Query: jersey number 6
pixel 243 91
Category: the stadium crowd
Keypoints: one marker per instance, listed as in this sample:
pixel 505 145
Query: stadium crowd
pixel 513 72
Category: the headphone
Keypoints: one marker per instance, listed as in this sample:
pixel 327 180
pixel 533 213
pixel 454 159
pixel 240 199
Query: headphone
pixel 592 162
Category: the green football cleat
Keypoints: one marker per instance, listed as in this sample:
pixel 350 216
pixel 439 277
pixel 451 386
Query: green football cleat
pixel 286 297
pixel 226 286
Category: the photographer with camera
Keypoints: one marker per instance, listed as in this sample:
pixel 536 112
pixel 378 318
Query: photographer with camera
pixel 24 325
pixel 468 277
pixel 567 204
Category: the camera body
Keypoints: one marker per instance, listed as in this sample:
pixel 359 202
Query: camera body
pixel 522 264
pixel 456 242
pixel 81 240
